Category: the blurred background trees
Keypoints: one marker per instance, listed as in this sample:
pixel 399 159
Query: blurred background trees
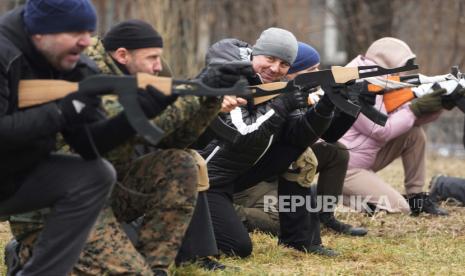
pixel 339 30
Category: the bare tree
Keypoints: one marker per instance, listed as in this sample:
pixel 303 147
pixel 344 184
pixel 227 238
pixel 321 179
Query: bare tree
pixel 363 21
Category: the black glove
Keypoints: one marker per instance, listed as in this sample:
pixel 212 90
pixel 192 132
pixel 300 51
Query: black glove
pixel 325 106
pixel 79 108
pixel 358 92
pixel 449 101
pixel 106 135
pixel 225 75
pixel 153 102
pixel 290 101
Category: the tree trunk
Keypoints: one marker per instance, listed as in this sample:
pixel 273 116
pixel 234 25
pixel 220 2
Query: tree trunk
pixel 363 21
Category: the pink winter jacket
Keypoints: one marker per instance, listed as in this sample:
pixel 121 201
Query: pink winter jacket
pixel 365 138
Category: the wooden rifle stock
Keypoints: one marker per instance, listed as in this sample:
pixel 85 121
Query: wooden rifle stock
pixel 36 92
pixel 272 86
pixel 340 74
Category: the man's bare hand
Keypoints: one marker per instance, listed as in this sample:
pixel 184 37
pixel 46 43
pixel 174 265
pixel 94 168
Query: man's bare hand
pixel 231 102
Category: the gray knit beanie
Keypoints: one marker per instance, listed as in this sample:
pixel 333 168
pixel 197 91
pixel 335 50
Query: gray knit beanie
pixel 276 42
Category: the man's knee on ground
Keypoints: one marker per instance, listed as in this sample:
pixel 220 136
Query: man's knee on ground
pixel 242 248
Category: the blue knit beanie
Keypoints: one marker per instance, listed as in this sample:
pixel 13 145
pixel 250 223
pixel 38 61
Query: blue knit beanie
pixel 57 16
pixel 307 57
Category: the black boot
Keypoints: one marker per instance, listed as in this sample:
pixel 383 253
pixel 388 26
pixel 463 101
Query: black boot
pixel 317 249
pixel 422 202
pixel 12 260
pixel 329 220
pixel 210 264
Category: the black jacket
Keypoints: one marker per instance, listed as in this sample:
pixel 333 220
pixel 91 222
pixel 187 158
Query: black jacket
pixel 253 130
pixel 28 135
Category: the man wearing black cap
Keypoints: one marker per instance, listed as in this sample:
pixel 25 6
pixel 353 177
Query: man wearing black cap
pixel 161 184
pixel 131 47
pixel 44 40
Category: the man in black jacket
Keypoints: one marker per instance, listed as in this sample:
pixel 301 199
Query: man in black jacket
pixel 329 161
pixel 259 142
pixel 37 44
pixel 43 40
pixel 158 183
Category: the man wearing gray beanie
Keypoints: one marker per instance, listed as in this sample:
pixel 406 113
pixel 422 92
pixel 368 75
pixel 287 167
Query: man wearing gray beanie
pixel 276 42
pixel 256 143
pixel 44 40
pixel 279 45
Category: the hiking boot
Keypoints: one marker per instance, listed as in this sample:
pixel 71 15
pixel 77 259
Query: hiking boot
pixel 330 221
pixel 317 249
pixel 12 260
pixel 207 263
pixel 422 202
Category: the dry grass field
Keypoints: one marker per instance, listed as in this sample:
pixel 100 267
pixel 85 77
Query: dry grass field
pixel 395 245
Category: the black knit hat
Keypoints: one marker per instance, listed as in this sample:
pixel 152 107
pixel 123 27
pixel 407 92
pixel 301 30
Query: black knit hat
pixel 132 34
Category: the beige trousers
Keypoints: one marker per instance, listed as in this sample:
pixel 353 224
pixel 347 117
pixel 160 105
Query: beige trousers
pixel 363 185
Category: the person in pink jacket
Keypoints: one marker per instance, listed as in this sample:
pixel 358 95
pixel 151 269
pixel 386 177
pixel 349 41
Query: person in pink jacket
pixel 373 147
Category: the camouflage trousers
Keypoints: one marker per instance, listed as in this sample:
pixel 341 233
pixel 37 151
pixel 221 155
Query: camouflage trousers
pixel 162 186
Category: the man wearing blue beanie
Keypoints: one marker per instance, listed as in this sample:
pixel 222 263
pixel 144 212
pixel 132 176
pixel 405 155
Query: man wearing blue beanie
pixel 307 60
pixel 169 176
pixel 44 40
pixel 332 158
pixel 60 29
pixel 260 142
pixel 59 16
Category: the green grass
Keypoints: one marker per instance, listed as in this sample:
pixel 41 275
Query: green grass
pixel 396 244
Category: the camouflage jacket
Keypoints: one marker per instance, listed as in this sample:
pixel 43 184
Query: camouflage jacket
pixel 183 121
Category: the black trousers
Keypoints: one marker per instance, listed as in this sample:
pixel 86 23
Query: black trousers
pixel 299 229
pixel 333 160
pixel 75 190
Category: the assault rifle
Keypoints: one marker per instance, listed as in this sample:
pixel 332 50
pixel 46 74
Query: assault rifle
pixel 36 92
pixel 327 79
pixel 399 90
pixel 351 105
